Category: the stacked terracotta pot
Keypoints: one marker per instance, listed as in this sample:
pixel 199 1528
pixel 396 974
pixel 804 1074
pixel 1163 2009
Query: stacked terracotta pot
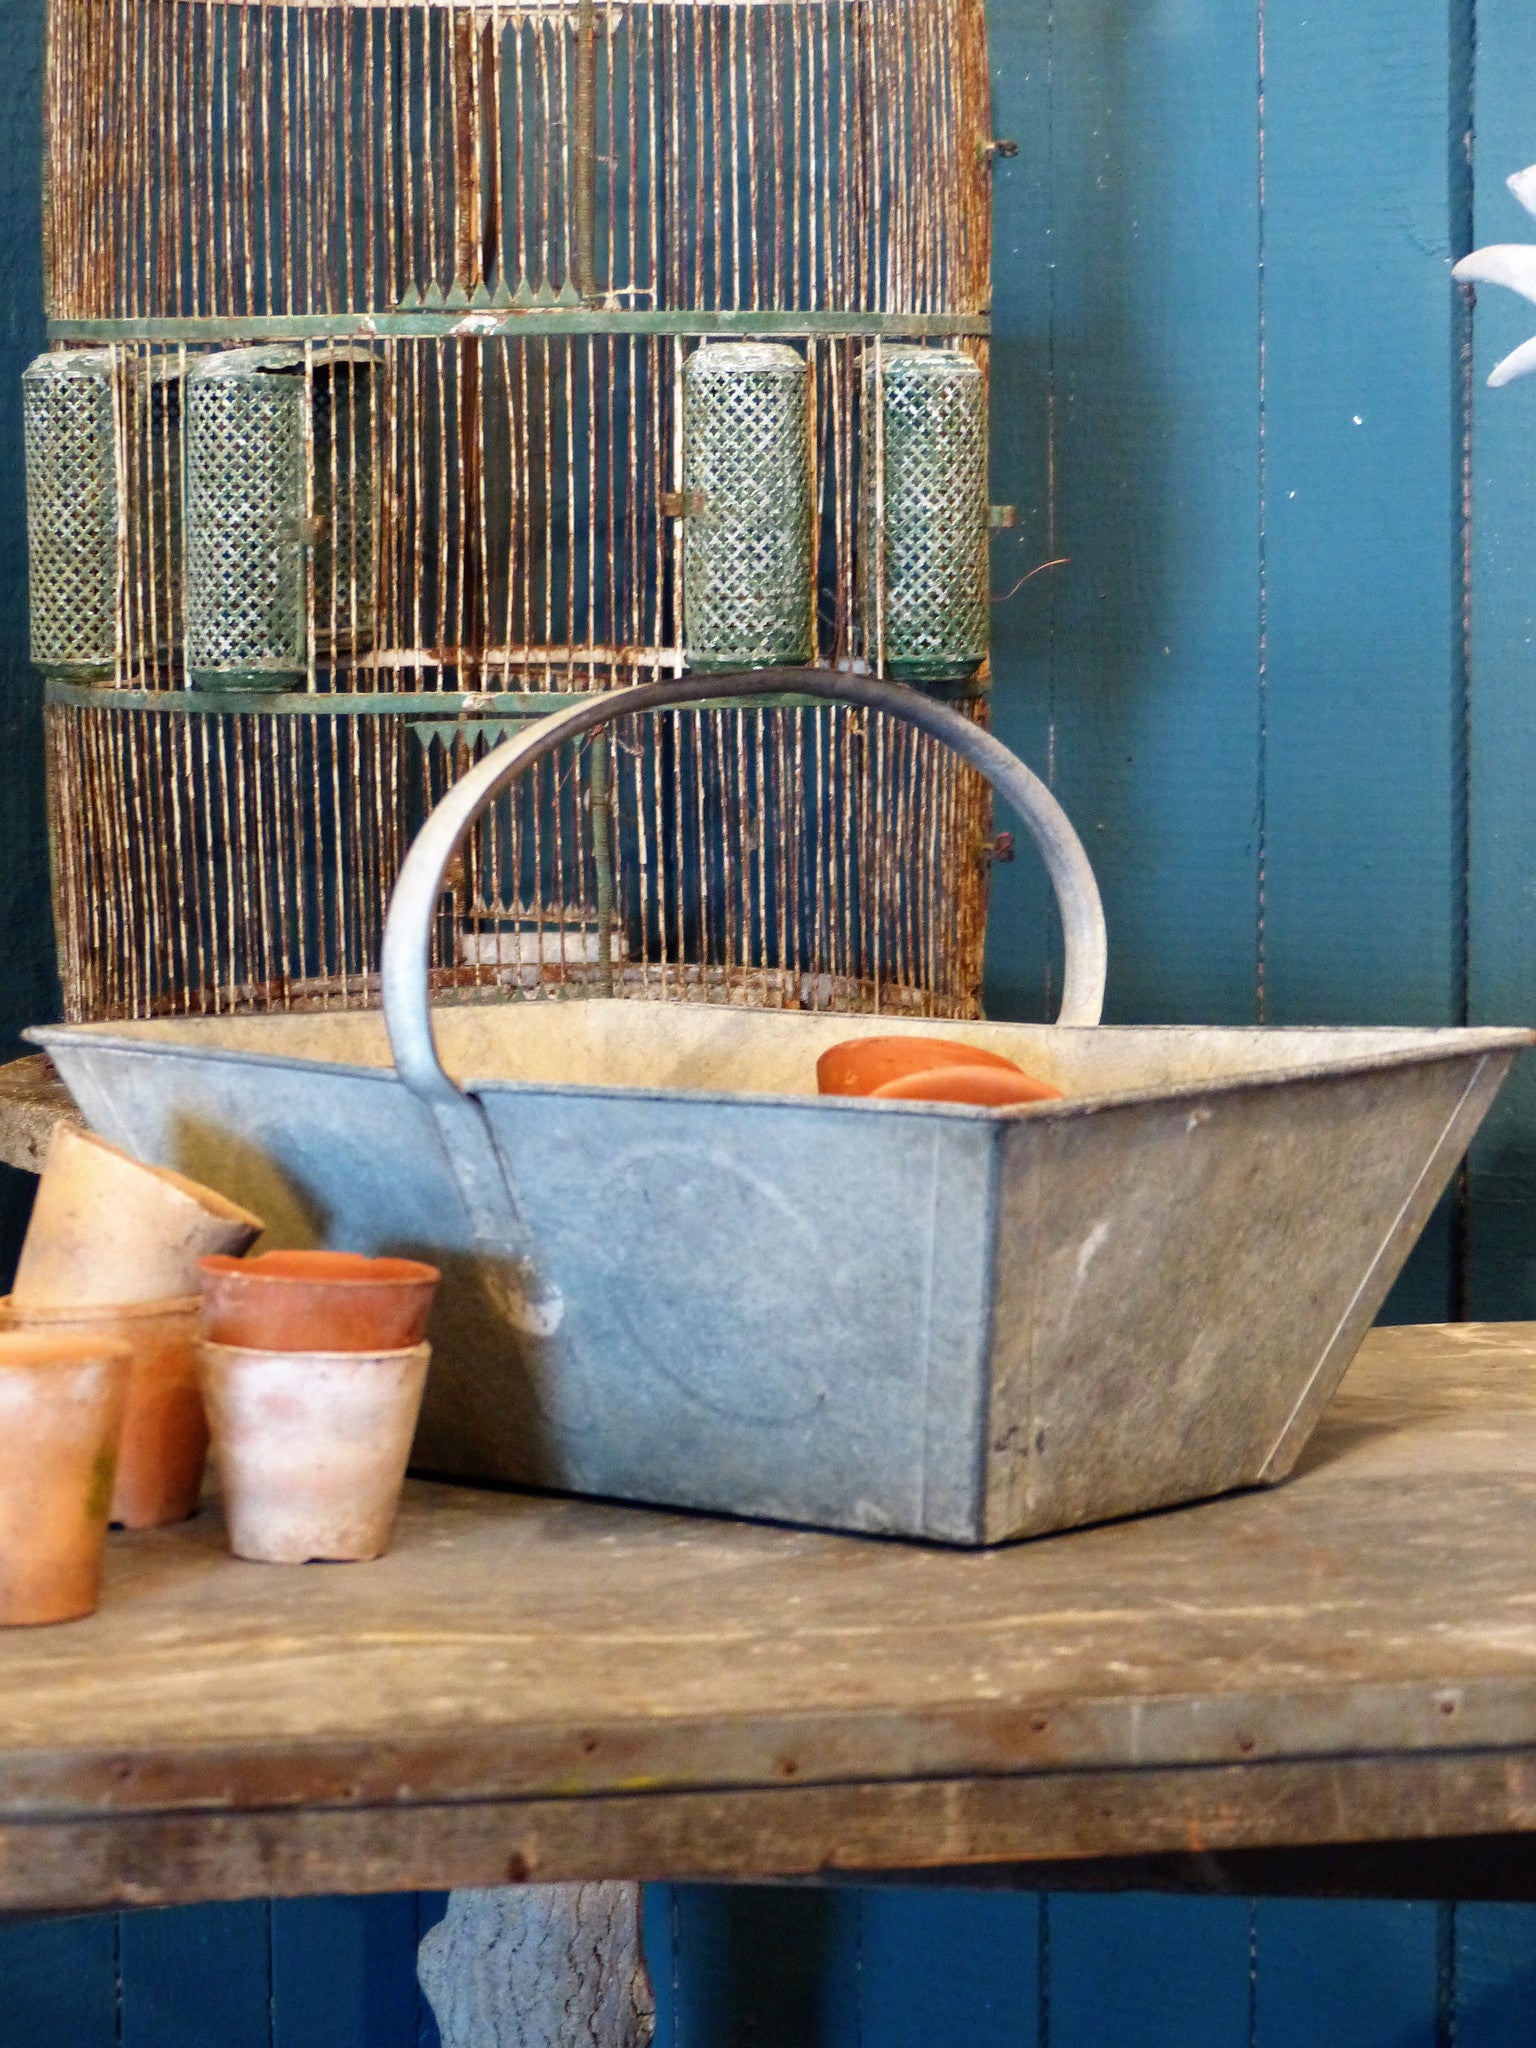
pixel 913 1069
pixel 313 1372
pixel 100 1414
pixel 135 1332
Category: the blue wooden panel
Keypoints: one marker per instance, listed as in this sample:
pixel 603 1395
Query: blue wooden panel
pixel 1346 1974
pixel 1126 302
pixel 1364 684
pixel 949 1967
pixel 1495 1955
pixel 58 1983
pixel 657 1918
pixel 196 1977
pixel 1137 1971
pixel 344 1973
pixel 1363 440
pixel 1502 1239
pixel 761 1967
pixel 430 1908
pixel 28 987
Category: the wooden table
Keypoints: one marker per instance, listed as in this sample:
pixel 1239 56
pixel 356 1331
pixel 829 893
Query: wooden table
pixel 534 1688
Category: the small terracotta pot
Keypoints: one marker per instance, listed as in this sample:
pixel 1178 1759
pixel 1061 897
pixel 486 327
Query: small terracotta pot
pixel 317 1301
pixel 164 1444
pixel 981 1087
pixel 311 1447
pixel 861 1066
pixel 107 1229
pixel 61 1414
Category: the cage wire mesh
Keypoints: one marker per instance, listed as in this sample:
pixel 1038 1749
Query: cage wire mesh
pixel 492 245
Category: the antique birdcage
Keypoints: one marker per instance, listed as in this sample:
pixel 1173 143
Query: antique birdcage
pixel 439 360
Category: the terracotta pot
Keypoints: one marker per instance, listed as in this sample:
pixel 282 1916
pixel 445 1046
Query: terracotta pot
pixel 107 1229
pixel 981 1087
pixel 317 1301
pixel 311 1447
pixel 164 1444
pixel 61 1414
pixel 861 1066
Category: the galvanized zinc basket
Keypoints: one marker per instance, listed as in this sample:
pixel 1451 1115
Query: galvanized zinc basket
pixel 673 1274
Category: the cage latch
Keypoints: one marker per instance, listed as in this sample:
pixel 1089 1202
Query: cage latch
pixel 681 504
pixel 1003 516
pixel 991 146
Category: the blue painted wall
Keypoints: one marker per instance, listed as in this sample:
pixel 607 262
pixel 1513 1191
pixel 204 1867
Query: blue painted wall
pixel 1235 388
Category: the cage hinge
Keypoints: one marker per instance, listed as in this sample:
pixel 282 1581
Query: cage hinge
pixel 989 147
pixel 681 504
pixel 999 849
pixel 1003 516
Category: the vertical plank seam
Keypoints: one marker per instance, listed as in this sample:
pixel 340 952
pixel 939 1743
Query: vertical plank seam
pixel 1043 1972
pixel 860 1899
pixel 1253 1973
pixel 1261 793
pixel 1051 548
pixel 1461 195
pixel 674 1948
pixel 1445 1975
pixel 117 1978
pixel 421 1997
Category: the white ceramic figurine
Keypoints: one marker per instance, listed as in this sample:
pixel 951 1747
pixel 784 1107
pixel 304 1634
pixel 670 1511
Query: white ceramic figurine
pixel 1512 264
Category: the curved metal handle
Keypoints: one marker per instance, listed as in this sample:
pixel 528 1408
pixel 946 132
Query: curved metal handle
pixel 407 934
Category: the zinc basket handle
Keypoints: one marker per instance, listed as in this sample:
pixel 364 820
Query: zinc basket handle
pixel 413 907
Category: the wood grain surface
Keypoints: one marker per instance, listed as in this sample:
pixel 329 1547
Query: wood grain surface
pixel 532 1687
pixel 32 1100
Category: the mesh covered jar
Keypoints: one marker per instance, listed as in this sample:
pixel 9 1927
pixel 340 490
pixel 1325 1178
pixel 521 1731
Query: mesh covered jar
pixel 749 576
pixel 930 560
pixel 245 520
pixel 248 527
pixel 68 405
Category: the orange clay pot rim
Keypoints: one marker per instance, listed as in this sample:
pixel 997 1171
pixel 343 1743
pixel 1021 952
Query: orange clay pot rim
pixel 61 1350
pixel 221 1266
pixel 869 1102
pixel 895 1090
pixel 16 1316
pixel 259 1351
pixel 983 1055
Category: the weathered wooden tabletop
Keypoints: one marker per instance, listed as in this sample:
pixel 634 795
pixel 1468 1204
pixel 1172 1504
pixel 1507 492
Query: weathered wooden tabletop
pixel 542 1688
